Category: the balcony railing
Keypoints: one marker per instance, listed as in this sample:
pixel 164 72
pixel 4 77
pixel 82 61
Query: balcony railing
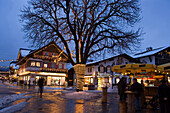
pixel 54 70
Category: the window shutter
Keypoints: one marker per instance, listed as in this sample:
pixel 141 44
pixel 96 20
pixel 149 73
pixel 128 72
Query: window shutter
pixel 62 66
pixel 49 54
pixel 43 52
pixel 42 64
pixel 56 66
pixel 105 70
pixel 99 69
pixel 49 65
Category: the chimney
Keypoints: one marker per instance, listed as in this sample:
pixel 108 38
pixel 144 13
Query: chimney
pixel 149 49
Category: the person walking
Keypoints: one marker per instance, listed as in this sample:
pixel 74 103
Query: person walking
pixel 164 97
pixel 137 88
pixel 41 84
pixel 122 88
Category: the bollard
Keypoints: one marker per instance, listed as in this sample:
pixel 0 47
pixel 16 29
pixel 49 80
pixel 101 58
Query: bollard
pixel 104 95
pixel 122 107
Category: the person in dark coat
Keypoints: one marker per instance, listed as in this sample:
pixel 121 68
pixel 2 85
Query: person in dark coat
pixel 41 84
pixel 137 88
pixel 164 97
pixel 122 88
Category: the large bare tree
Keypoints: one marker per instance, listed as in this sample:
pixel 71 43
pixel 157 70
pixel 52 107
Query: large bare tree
pixel 83 27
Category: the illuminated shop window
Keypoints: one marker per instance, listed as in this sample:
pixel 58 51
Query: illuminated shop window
pixel 32 63
pixel 45 65
pixel 38 64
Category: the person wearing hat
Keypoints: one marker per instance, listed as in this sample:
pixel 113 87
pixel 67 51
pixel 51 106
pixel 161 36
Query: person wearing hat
pixel 164 97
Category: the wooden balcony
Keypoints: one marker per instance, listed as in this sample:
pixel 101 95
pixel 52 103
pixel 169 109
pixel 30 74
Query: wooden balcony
pixel 48 58
pixel 53 70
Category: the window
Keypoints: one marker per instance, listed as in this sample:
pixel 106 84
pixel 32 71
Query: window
pixel 108 69
pixel 60 66
pixel 45 65
pixel 90 69
pixel 38 64
pixel 32 63
pixel 54 54
pixel 53 65
pixel 101 68
pixel 46 53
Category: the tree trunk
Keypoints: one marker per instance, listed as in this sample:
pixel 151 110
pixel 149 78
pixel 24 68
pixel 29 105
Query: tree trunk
pixel 80 72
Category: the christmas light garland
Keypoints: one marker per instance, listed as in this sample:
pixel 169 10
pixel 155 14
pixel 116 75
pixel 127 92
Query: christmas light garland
pixel 6 60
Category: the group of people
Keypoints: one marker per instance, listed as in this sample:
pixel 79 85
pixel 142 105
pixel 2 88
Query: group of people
pixel 163 93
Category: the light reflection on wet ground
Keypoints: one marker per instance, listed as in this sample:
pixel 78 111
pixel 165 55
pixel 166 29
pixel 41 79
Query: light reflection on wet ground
pixel 53 103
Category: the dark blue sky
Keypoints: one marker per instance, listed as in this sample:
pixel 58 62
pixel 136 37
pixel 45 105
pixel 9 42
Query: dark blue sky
pixel 155 23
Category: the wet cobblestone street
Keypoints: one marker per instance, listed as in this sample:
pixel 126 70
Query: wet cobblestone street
pixel 53 103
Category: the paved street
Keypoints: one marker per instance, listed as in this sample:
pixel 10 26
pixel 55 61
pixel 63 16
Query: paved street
pixel 52 102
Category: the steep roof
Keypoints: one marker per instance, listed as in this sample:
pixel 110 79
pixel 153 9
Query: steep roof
pixel 151 52
pixel 25 52
pixel 28 52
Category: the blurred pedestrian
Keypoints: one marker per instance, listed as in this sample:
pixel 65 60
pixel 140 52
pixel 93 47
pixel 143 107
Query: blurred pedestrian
pixel 41 84
pixel 122 88
pixel 138 89
pixel 164 97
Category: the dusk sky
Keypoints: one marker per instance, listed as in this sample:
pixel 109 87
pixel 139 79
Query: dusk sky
pixel 155 22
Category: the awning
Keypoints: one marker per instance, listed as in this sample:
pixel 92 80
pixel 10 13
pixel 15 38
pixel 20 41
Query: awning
pixel 164 67
pixel 134 68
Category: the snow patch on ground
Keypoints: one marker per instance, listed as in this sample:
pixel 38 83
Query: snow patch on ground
pixel 80 95
pixel 70 88
pixel 8 99
pixel 14 108
pixel 8 84
pixel 52 88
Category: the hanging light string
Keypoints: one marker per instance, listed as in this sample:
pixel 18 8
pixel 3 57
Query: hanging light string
pixel 4 66
pixel 6 60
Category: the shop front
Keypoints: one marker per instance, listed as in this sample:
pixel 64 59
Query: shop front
pixel 50 78
pixel 88 79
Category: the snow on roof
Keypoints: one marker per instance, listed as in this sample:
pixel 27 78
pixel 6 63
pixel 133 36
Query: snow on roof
pixel 14 66
pixel 25 52
pixel 96 61
pixel 147 53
